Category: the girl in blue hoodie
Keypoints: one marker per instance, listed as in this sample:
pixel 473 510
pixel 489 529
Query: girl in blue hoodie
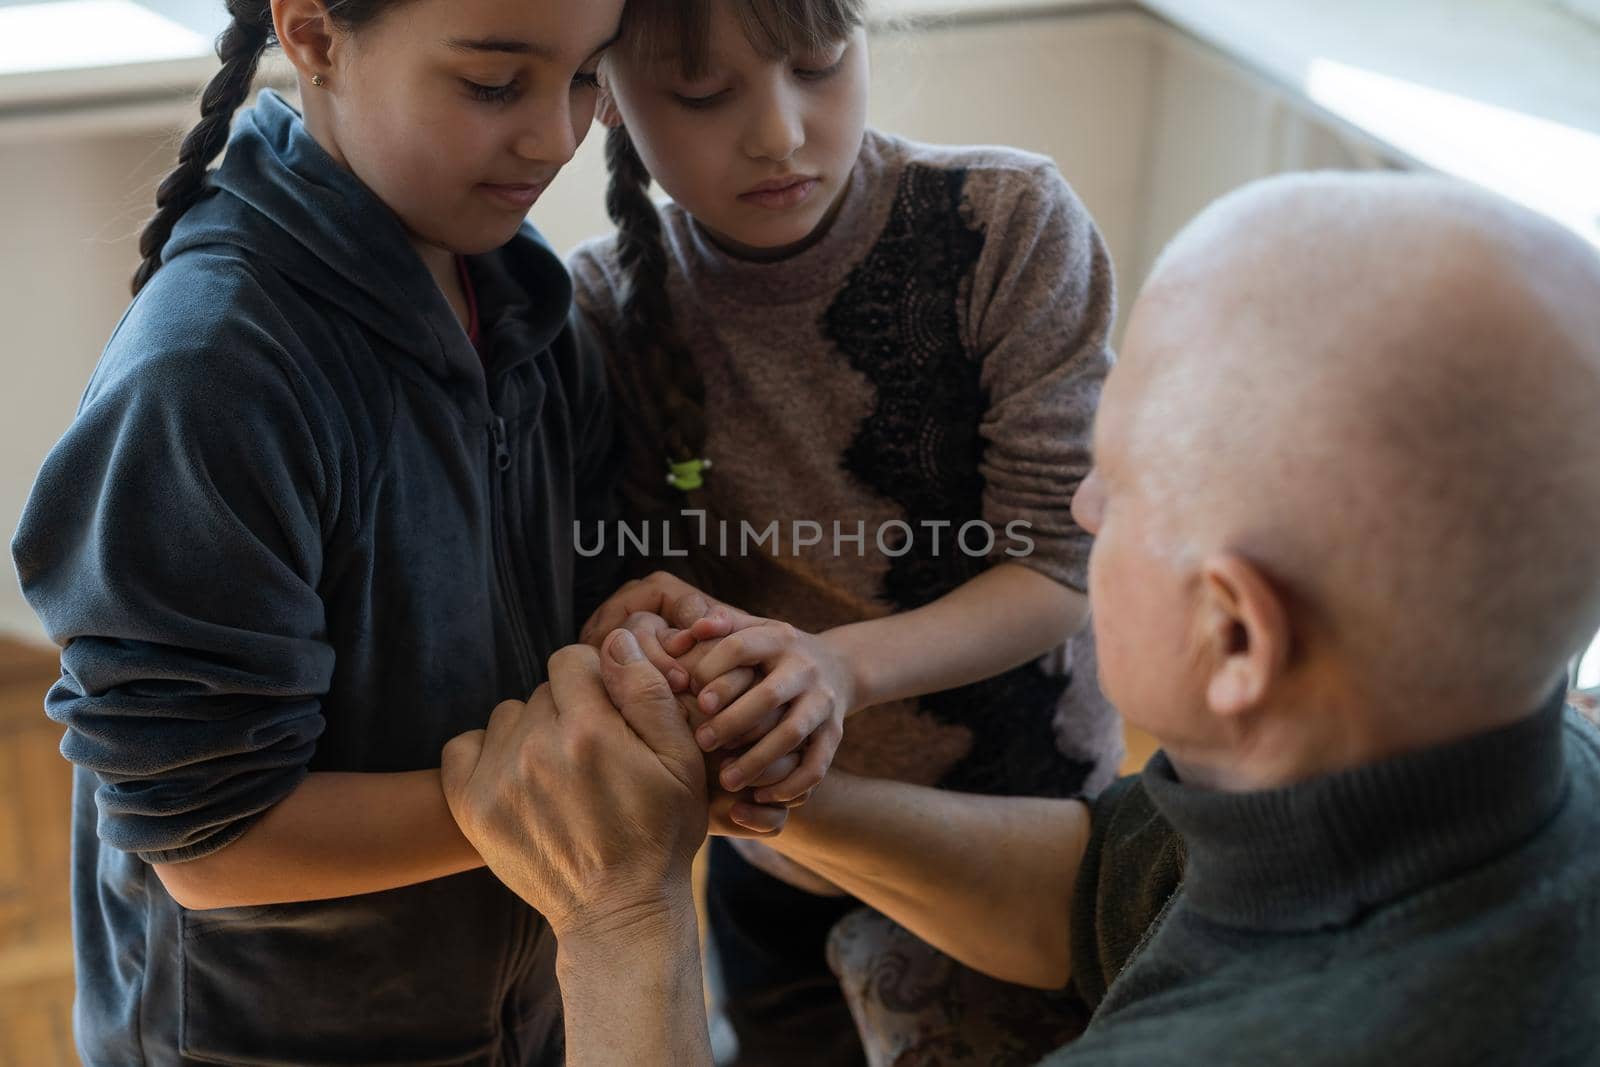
pixel 313 519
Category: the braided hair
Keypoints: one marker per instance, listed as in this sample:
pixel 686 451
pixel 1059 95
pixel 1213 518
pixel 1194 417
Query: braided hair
pixel 661 364
pixel 648 326
pixel 240 47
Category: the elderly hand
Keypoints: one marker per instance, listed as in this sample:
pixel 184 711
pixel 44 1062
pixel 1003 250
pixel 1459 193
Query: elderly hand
pixel 589 801
pixel 735 813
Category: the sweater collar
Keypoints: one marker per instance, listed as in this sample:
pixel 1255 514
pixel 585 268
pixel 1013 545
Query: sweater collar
pixel 1322 853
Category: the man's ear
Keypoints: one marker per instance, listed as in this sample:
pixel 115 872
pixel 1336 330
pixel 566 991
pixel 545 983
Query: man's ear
pixel 306 33
pixel 1244 634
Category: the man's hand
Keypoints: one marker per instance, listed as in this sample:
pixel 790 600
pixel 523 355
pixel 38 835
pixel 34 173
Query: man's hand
pixel 734 814
pixel 589 801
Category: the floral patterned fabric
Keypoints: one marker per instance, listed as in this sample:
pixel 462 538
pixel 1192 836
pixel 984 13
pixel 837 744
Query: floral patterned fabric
pixel 914 1006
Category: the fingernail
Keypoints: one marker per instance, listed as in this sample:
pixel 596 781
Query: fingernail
pixel 709 702
pixel 677 679
pixel 707 738
pixel 732 780
pixel 624 649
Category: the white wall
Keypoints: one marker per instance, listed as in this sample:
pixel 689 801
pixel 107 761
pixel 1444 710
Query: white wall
pixel 1146 126
pixel 69 216
pixel 1076 89
pixel 1213 127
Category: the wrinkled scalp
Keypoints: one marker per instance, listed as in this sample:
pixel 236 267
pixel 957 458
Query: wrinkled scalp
pixel 1384 390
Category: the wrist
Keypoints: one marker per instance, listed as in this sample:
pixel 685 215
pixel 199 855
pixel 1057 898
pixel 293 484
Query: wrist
pixel 464 856
pixel 844 643
pixel 632 989
pixel 610 936
pixel 806 832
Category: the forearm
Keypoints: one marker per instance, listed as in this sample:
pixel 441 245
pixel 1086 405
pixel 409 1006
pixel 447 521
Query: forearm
pixel 988 880
pixel 634 995
pixel 337 835
pixel 1001 619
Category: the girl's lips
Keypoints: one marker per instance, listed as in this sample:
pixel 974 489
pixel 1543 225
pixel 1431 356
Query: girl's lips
pixel 786 196
pixel 514 197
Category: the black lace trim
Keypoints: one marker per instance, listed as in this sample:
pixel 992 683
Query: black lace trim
pixel 896 322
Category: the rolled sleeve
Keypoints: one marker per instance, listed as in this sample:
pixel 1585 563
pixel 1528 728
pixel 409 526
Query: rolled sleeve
pixel 172 545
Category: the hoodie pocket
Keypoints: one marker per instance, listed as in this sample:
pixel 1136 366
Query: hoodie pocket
pixel 414 976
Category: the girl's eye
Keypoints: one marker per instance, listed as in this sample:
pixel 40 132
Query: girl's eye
pixel 817 74
pixel 699 103
pixel 493 94
pixel 586 79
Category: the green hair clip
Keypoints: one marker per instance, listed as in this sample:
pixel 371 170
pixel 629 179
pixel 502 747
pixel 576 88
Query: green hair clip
pixel 687 475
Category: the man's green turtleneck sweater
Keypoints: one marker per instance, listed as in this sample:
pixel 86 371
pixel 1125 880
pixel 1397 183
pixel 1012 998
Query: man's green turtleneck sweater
pixel 1441 908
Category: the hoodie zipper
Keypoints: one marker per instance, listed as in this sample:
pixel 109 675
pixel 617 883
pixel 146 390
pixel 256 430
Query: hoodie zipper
pixel 502 550
pixel 522 937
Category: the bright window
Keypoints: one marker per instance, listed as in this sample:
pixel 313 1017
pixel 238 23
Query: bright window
pixel 72 34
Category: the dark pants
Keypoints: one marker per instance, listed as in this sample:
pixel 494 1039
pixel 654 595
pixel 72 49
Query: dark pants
pixel 778 993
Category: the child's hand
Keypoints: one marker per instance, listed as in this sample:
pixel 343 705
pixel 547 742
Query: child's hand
pixel 738 814
pixel 663 594
pixel 803 673
pixel 721 691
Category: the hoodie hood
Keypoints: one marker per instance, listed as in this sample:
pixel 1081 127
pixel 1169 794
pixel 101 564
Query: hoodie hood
pixel 281 199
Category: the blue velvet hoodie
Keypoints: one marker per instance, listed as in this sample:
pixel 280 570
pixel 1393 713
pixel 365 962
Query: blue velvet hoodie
pixel 297 527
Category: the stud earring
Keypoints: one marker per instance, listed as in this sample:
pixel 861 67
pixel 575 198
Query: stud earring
pixel 317 80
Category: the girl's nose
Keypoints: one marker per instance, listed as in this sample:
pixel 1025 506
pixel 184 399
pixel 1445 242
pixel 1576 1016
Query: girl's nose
pixel 549 136
pixel 777 129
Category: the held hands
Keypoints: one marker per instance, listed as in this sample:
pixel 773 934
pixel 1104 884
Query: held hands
pixel 668 598
pixel 734 813
pixel 798 705
pixel 773 690
pixel 589 801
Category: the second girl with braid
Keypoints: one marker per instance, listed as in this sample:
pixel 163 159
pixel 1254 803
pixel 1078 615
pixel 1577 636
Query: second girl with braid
pixel 832 324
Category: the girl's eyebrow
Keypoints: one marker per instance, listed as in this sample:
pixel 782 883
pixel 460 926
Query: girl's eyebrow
pixel 521 48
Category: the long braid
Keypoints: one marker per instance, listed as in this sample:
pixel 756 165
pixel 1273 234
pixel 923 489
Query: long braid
pixel 669 374
pixel 649 325
pixel 240 48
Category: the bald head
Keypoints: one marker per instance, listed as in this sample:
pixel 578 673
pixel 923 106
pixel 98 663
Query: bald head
pixel 1384 391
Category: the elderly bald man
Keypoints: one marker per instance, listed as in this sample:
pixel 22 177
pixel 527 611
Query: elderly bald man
pixel 1346 498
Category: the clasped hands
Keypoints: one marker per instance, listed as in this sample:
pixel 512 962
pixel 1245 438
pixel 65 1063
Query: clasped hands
pixel 677 716
pixel 758 692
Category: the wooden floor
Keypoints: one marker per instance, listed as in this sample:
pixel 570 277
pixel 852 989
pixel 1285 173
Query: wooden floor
pixel 35 934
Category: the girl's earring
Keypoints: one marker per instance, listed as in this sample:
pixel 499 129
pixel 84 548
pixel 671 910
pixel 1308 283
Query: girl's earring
pixel 318 80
